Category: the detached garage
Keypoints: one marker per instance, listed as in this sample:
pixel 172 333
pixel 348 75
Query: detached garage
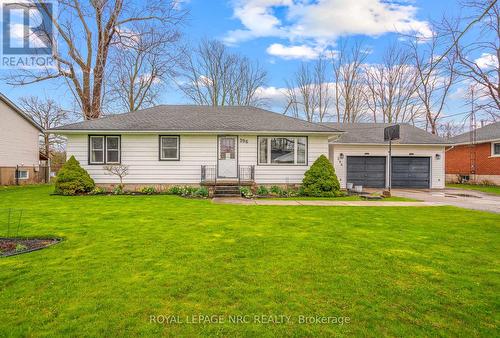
pixel 361 156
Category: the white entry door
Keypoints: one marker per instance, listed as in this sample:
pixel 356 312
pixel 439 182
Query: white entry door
pixel 228 157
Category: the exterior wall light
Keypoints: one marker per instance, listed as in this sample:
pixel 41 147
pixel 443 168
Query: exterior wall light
pixel 341 156
pixel 438 156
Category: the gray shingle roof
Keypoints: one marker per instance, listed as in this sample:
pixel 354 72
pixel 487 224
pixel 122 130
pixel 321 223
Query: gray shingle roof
pixel 373 133
pixel 486 133
pixel 199 118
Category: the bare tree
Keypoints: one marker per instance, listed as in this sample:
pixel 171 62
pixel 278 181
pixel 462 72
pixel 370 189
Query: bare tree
pixel 214 76
pixel 141 65
pixel 478 56
pixel 435 76
pixel 120 170
pixel 391 86
pixel 451 128
pixel 87 30
pixel 308 93
pixel 48 114
pixel 349 82
pixel 301 95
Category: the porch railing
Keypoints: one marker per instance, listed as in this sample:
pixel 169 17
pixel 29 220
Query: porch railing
pixel 246 174
pixel 209 174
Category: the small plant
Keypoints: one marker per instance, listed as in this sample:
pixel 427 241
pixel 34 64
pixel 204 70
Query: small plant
pixel 262 191
pixel 148 190
pixel 20 247
pixel 201 192
pixel 118 190
pixel 187 191
pixel 246 192
pixel 276 191
pixel 72 179
pixel 174 191
pixel 97 191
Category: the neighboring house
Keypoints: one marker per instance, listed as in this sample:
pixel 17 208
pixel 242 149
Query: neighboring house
pixel 172 145
pixel 360 156
pixel 19 146
pixel 475 160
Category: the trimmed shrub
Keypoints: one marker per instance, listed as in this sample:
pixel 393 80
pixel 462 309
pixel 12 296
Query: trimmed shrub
pixel 72 179
pixel 320 180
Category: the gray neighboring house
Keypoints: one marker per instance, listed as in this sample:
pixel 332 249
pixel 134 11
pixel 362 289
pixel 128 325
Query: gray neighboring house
pixel 186 144
pixel 360 156
pixel 19 146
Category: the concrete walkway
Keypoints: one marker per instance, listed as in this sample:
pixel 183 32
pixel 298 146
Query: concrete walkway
pixel 467 199
pixel 325 203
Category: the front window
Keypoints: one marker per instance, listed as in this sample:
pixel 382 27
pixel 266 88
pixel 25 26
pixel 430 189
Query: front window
pixel 97 149
pixel 496 149
pixel 104 149
pixel 169 148
pixel 112 149
pixel 282 150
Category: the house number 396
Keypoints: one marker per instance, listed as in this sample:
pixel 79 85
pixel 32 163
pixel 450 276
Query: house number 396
pixel 243 140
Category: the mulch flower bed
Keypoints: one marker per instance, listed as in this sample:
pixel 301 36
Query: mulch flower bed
pixel 16 246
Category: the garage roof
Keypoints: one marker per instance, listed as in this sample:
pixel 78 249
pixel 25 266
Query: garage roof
pixel 373 133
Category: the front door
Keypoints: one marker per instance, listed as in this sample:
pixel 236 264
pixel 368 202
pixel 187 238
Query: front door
pixel 228 157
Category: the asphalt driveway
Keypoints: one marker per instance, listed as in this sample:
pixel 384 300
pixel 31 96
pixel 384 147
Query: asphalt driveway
pixel 468 199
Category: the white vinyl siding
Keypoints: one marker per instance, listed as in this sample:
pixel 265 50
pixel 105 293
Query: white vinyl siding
pixel 140 153
pixel 19 139
pixel 437 165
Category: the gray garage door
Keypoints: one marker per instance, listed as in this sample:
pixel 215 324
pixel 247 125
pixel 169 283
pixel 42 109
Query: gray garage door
pixel 368 171
pixel 411 172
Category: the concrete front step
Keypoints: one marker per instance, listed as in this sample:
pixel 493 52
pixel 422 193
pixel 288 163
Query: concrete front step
pixel 226 195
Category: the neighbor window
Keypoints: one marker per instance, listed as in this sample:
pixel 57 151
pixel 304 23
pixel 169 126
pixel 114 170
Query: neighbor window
pixel 22 174
pixel 496 149
pixel 282 150
pixel 169 148
pixel 104 149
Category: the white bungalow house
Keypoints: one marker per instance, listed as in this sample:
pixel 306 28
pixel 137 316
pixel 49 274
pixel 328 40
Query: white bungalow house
pixel 176 145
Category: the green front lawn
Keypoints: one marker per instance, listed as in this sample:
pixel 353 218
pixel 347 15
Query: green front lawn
pixel 394 271
pixel 492 189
